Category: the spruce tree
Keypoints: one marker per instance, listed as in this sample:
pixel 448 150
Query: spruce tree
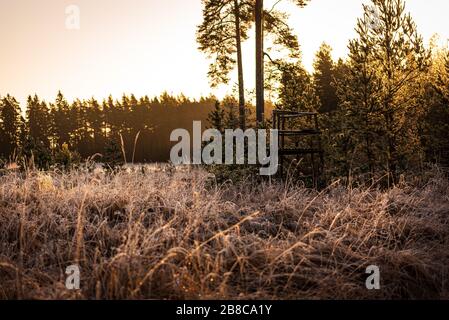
pixel 380 97
pixel 323 77
pixel 38 121
pixel 95 119
pixel 216 117
pixel 434 126
pixel 296 91
pixel 10 125
pixel 61 122
pixel 230 106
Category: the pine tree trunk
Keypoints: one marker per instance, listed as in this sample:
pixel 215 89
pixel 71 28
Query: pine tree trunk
pixel 260 103
pixel 240 65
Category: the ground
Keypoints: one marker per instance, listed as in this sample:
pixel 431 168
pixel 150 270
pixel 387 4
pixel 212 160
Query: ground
pixel 178 234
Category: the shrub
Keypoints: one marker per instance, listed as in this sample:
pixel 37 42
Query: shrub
pixel 65 158
pixel 38 152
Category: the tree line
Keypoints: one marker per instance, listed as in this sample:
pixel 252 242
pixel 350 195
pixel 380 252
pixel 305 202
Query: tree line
pixel 384 108
pixel 88 127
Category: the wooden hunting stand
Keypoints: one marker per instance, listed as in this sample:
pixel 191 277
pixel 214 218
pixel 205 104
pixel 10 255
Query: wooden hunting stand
pixel 303 145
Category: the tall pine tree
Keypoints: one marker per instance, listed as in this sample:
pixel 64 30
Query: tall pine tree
pixel 381 96
pixel 323 77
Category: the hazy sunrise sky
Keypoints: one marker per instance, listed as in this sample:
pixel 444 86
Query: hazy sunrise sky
pixel 148 46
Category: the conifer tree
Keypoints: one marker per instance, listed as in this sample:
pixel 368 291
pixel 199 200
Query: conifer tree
pixel 434 127
pixel 221 34
pixel 95 119
pixel 442 82
pixel 323 77
pixel 225 27
pixel 261 16
pixel 10 126
pixel 216 117
pixel 38 121
pixel 231 118
pixel 296 90
pixel 61 122
pixel 380 97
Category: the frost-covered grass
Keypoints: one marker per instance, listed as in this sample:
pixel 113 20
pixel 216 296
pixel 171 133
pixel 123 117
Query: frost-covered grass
pixel 178 235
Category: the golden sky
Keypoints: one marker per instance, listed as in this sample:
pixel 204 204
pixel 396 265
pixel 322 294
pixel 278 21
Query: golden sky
pixel 148 46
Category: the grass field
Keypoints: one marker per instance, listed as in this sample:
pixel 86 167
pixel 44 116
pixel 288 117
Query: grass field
pixel 179 235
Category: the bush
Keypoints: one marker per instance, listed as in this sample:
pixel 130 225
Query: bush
pixel 65 158
pixel 112 155
pixel 38 152
pixel 234 173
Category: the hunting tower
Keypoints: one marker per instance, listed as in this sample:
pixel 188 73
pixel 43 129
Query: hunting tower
pixel 300 147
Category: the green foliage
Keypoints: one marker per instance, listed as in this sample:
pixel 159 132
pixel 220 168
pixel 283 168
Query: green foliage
pixel 38 121
pixel 435 126
pixel 112 156
pixel 323 78
pixel 294 86
pixel 379 95
pixel 225 27
pixel 385 108
pixel 10 126
pixel 66 158
pixel 217 117
pixel 218 34
pixel 88 127
pixel 233 173
pixel 297 92
pixel 61 124
pixel 38 152
pixel 231 120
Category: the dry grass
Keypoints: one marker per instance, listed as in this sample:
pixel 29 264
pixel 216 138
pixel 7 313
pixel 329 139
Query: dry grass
pixel 177 235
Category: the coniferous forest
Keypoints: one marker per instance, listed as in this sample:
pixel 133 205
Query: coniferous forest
pixel 91 127
pixel 383 108
pixel 372 124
